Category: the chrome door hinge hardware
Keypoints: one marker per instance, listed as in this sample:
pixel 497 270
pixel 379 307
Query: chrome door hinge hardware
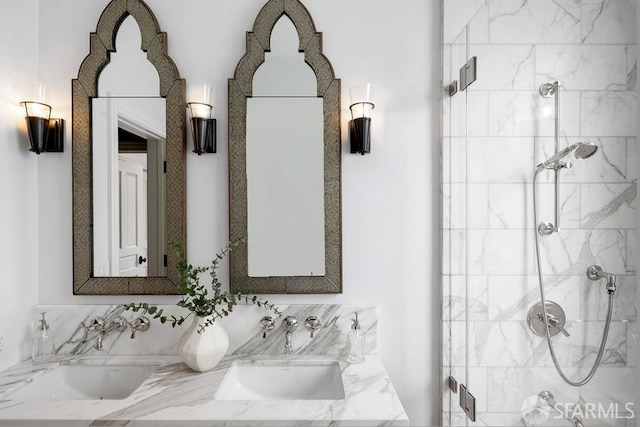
pixel 453 88
pixel 468 73
pixel 453 384
pixel 467 403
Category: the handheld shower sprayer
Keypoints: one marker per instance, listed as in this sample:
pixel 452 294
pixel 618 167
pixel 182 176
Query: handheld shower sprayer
pixel 581 150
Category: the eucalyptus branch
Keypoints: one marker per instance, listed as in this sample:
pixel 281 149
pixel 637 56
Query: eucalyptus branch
pixel 195 296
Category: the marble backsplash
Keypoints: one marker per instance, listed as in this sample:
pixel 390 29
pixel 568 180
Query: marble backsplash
pixel 242 326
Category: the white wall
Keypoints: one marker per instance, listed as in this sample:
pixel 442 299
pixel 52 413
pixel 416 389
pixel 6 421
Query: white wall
pixel 18 179
pixel 390 197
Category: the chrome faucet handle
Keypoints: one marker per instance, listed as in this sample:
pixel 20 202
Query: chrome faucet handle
pixel 119 324
pixel 556 323
pixel 290 323
pixel 96 324
pixel 140 324
pixel 312 324
pixel 267 323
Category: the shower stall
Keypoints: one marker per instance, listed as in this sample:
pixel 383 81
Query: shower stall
pixel 539 171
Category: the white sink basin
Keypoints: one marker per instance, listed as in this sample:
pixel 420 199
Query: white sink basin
pixel 282 381
pixel 85 382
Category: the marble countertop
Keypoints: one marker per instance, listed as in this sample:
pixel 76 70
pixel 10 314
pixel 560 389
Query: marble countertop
pixel 176 396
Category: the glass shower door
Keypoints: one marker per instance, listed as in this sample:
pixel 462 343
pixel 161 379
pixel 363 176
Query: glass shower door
pixel 494 134
pixel 454 228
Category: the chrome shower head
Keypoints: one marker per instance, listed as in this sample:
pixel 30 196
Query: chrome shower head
pixel 585 150
pixel 581 150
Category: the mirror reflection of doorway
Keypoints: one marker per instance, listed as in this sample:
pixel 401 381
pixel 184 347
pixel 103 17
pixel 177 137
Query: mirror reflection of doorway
pixel 129 188
pixel 141 188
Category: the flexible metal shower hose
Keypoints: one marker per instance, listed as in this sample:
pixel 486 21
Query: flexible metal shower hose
pixel 605 333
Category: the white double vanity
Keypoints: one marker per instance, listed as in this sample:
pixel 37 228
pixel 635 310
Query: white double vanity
pixel 143 382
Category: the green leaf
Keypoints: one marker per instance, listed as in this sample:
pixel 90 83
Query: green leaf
pixel 196 297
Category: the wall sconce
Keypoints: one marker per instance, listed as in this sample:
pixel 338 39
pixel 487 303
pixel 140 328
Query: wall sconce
pixel 203 126
pixel 45 133
pixel 360 123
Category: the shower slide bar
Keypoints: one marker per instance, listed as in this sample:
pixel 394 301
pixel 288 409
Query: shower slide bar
pixel 547 90
pixel 581 150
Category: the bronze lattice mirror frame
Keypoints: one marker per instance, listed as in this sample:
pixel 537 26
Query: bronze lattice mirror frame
pixel 85 88
pixel 240 88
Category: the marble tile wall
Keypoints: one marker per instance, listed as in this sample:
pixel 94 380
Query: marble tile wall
pixel 494 134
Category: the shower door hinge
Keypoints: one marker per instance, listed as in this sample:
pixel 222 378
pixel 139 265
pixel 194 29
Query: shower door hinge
pixel 453 88
pixel 467 403
pixel 453 384
pixel 468 73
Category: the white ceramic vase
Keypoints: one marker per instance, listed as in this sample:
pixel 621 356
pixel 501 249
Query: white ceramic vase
pixel 202 351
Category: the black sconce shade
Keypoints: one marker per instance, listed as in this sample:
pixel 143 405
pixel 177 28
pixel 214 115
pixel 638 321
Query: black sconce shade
pixel 360 124
pixel 38 131
pixel 204 135
pixel 360 135
pixel 203 128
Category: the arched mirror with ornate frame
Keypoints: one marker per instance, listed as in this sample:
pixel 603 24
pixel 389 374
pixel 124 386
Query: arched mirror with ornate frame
pixel 85 90
pixel 276 222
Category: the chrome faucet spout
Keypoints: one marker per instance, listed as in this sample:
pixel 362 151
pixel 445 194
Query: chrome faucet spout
pixel 287 340
pixel 289 324
pixel 98 345
pixel 119 324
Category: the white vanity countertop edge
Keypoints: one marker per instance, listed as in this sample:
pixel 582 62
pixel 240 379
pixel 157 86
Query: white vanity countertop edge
pixel 174 395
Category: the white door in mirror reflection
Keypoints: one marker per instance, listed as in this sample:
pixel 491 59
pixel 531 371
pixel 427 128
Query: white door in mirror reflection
pixel 133 216
pixel 128 186
pixel 285 163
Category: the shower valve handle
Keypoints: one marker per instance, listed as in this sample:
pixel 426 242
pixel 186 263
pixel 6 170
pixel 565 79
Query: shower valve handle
pixel 554 322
